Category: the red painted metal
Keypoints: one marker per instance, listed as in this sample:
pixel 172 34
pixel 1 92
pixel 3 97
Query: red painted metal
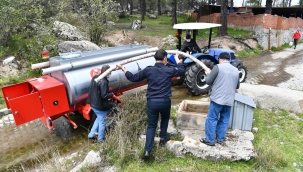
pixel 52 93
pixel 36 98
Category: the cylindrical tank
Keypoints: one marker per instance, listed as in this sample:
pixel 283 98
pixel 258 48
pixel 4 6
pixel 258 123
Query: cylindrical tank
pixel 77 81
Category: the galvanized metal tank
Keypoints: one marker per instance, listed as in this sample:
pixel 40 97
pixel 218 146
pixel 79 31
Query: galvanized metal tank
pixel 76 69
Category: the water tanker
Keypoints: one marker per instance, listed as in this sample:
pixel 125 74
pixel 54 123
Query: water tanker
pixel 65 83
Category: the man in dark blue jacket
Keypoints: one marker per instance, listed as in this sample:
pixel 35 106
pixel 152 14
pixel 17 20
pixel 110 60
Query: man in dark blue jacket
pixel 158 95
pixel 98 99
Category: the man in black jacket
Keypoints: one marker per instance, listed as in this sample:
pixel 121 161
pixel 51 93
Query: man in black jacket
pixel 98 98
pixel 190 45
pixel 158 95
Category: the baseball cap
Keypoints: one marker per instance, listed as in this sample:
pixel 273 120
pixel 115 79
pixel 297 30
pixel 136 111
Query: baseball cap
pixel 224 55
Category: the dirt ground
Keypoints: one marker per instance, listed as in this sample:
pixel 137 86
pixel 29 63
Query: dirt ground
pixel 130 37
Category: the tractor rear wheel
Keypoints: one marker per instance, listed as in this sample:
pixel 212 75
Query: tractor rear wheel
pixel 242 73
pixel 195 78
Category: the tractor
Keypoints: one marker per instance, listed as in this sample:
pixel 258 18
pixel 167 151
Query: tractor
pixel 194 78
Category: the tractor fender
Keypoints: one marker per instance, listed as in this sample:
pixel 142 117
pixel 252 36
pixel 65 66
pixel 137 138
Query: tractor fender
pixel 236 63
pixel 201 56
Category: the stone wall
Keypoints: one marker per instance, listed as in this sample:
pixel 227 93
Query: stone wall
pixel 270 30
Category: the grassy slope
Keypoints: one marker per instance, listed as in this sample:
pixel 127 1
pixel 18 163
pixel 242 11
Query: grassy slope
pixel 278 144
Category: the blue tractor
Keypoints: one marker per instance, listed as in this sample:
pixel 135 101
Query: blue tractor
pixel 194 78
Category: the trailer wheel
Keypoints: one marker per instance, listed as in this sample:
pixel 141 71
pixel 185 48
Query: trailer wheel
pixel 242 73
pixel 195 78
pixel 62 128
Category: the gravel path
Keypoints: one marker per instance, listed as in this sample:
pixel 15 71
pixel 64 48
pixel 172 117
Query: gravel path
pixel 280 69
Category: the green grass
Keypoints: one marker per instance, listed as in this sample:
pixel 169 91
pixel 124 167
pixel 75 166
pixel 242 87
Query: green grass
pixel 162 26
pixel 248 53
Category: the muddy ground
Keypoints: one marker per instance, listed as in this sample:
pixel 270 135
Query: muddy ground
pixel 25 142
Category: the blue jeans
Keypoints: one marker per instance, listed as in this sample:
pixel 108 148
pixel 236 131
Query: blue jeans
pixel 215 126
pixel 99 125
pixel 154 107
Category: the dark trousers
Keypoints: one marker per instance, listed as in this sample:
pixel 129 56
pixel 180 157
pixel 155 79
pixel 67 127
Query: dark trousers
pixel 295 42
pixel 154 108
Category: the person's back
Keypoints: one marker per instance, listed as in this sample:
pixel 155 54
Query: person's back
pixel 225 84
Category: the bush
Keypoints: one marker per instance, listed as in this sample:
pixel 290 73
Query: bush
pixel 122 144
pixel 273 48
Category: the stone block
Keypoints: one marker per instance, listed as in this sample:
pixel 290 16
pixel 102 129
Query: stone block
pixel 191 114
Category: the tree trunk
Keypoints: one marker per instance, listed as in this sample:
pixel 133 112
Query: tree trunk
pixel 174 12
pixel 243 3
pixel 143 9
pixel 159 7
pixel 231 6
pixel 289 3
pixel 199 14
pixel 223 18
pixel 268 6
pixel 131 6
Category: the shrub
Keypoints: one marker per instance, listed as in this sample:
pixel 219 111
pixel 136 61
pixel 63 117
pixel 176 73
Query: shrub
pixel 273 48
pixel 122 144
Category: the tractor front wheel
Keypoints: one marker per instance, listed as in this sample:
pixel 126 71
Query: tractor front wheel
pixel 195 78
pixel 242 73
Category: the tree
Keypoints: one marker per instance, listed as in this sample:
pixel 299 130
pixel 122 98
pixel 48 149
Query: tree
pixel 16 16
pixel 96 14
pixel 159 7
pixel 199 6
pixel 223 18
pixel 231 6
pixel 268 6
pixel 174 12
pixel 143 9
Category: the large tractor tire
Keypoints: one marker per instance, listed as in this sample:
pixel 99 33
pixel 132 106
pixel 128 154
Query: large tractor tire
pixel 242 73
pixel 62 128
pixel 195 78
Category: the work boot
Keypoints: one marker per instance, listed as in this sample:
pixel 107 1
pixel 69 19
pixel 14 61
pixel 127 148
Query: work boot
pixel 164 140
pixel 146 155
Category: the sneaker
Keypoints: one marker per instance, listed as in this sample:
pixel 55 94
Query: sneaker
pixel 163 141
pixel 204 141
